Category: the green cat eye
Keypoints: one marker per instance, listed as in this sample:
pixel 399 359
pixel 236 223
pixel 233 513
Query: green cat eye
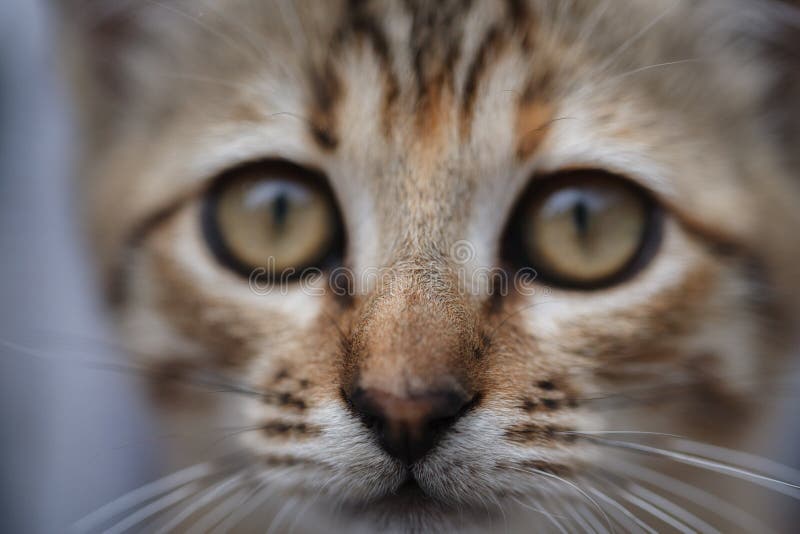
pixel 272 215
pixel 584 229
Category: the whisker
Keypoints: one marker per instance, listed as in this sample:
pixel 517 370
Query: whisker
pixel 552 500
pixel 674 510
pixel 309 504
pixel 216 514
pixel 701 498
pixel 210 380
pixel 246 33
pixel 146 512
pixel 248 504
pixel 317 495
pixel 242 509
pixel 568 483
pixel 741 458
pixel 623 510
pixel 252 54
pixel 513 313
pixel 714 452
pixel 589 515
pixel 568 519
pixel 587 32
pixel 651 67
pixel 611 58
pixel 679 382
pixel 553 518
pixel 149 491
pixel 662 503
pixel 291 20
pixel 249 89
pixel 621 524
pixel 781 486
pixel 203 499
pixel 579 520
pixel 276 521
pixel 654 511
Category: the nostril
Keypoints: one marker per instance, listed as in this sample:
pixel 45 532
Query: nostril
pixel 408 427
pixel 457 409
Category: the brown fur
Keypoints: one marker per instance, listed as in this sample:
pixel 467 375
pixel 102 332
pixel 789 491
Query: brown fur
pixel 429 120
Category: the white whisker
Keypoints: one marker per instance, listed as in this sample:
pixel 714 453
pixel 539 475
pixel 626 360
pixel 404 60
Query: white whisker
pixel 553 518
pixel 593 520
pixel 149 491
pixel 284 511
pixel 215 515
pixel 712 452
pixel 654 511
pixel 611 58
pixel 781 486
pixel 580 521
pixel 252 54
pixel 592 22
pixel 624 511
pixel 243 507
pixel 651 67
pixel 291 19
pixel 701 498
pixel 570 484
pixel 206 497
pixel 673 509
pixel 751 461
pixel 152 509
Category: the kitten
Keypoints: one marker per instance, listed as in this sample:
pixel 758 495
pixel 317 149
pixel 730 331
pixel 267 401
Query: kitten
pixel 420 262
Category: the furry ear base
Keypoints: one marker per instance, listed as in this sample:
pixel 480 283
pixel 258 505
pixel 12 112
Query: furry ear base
pixel 97 38
pixel 100 31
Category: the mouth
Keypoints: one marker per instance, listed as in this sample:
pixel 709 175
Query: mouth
pixel 409 492
pixel 409 498
pixel 411 504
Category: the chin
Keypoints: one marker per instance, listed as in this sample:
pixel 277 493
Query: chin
pixel 410 509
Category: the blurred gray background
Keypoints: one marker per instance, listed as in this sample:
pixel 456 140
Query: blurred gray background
pixel 75 435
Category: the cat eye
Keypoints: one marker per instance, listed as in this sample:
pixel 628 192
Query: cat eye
pixel 272 215
pixel 584 229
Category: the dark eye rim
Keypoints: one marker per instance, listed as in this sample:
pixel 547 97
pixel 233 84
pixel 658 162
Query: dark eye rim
pixel 332 256
pixel 516 256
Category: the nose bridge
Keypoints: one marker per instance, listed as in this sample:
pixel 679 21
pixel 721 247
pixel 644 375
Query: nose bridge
pixel 416 334
pixel 432 186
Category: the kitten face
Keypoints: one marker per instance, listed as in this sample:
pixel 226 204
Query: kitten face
pixel 427 125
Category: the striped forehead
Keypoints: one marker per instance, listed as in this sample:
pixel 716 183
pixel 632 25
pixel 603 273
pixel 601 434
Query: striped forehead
pixel 414 110
pixel 431 90
pixel 429 66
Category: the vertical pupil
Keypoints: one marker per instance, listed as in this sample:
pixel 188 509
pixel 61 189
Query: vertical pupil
pixel 280 210
pixel 580 216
